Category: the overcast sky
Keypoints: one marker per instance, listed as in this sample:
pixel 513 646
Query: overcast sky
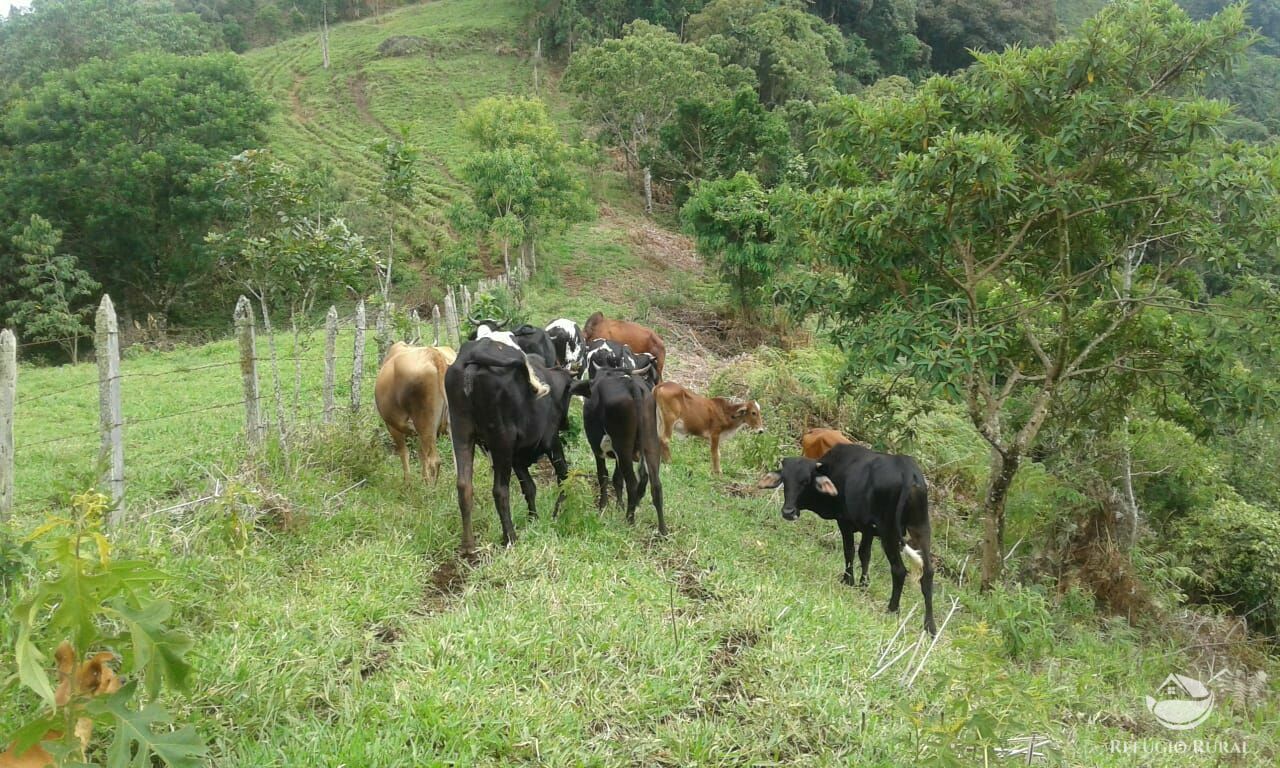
pixel 5 5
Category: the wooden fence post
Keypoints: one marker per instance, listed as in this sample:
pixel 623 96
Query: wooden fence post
pixel 451 320
pixel 382 330
pixel 466 302
pixel 435 321
pixel 8 397
pixel 415 321
pixel 106 342
pixel 357 358
pixel 330 362
pixel 254 429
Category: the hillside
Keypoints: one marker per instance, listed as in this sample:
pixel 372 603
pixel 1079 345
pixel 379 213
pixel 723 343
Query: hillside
pixel 416 68
pixel 334 624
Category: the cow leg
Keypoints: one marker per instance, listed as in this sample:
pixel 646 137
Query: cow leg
pixel 633 485
pixel 847 534
pixel 427 453
pixel 921 539
pixel 715 454
pixel 864 555
pixel 398 438
pixel 892 546
pixel 602 478
pixel 529 490
pixel 668 423
pixel 464 456
pixel 618 484
pixel 561 466
pixel 502 496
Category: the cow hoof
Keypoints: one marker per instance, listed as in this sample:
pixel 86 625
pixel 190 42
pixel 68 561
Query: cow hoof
pixel 930 628
pixel 848 580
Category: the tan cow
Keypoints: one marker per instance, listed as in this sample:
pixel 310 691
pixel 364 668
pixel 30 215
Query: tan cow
pixel 711 417
pixel 815 443
pixel 409 392
pixel 634 335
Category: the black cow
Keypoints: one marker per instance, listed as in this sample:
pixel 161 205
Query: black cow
pixel 566 338
pixel 876 493
pixel 526 338
pixel 603 354
pixel 535 341
pixel 513 407
pixel 620 419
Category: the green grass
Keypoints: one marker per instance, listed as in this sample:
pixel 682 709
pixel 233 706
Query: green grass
pixel 345 632
pixel 340 635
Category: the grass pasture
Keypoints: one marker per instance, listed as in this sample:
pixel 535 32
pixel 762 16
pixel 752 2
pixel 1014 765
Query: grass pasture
pixel 335 625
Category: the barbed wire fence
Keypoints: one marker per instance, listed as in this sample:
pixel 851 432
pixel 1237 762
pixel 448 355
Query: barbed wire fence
pixel 117 439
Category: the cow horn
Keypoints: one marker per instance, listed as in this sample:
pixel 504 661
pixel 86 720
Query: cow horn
pixel 643 369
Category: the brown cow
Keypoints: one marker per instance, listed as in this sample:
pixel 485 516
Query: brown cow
pixel 815 443
pixel 710 417
pixel 636 336
pixel 409 391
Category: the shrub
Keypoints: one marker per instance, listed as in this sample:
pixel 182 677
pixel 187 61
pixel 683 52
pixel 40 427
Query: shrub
pixel 1235 548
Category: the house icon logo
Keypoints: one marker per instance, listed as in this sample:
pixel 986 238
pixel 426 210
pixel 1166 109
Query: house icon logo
pixel 1184 703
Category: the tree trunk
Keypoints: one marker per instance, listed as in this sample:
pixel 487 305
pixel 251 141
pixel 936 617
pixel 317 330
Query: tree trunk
pixel 1004 466
pixel 324 34
pixel 391 254
pixel 648 190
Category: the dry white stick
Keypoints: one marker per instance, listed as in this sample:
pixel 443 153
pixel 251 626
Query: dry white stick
pixel 895 659
pixel 901 626
pixel 955 603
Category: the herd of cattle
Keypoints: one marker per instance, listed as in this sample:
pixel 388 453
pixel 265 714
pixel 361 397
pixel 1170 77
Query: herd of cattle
pixel 508 392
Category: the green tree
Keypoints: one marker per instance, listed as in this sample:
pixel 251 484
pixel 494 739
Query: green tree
pixel 399 178
pixel 51 286
pixel 572 24
pixel 523 178
pixel 283 244
pixel 733 227
pixel 631 87
pixel 119 155
pixel 951 27
pixel 887 26
pixel 794 54
pixel 715 141
pixel 62 34
pixel 1034 224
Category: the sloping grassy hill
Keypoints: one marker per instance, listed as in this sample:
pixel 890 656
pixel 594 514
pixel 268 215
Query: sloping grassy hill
pixel 335 626
pixel 342 630
pixel 449 54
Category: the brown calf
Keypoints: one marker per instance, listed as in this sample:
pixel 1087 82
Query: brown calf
pixel 815 443
pixel 636 336
pixel 409 392
pixel 75 687
pixel 710 417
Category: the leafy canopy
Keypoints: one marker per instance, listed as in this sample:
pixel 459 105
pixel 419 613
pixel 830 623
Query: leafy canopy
pixel 1034 221
pixel 119 155
pixel 794 54
pixel 523 178
pixel 632 86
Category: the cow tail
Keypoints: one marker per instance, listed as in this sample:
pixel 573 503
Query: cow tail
pixel 468 378
pixel 915 563
pixel 540 387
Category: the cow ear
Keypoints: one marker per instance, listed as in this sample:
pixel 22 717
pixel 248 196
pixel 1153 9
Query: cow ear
pixel 742 411
pixel 769 480
pixel 824 485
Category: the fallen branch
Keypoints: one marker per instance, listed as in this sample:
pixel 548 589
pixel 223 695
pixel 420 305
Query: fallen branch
pixel 955 603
